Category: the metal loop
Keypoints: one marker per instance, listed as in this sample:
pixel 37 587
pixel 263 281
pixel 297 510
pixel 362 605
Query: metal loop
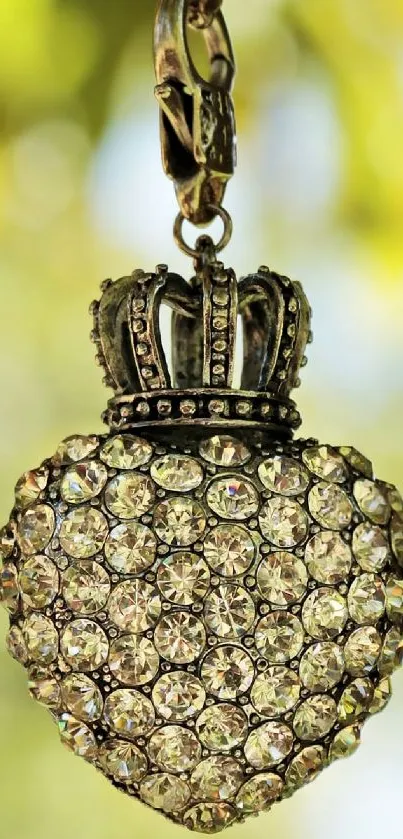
pixel 202 13
pixel 221 244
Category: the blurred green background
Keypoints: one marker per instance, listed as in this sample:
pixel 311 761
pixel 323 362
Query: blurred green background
pixel 318 194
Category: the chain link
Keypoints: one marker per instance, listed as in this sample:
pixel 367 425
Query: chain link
pixel 202 12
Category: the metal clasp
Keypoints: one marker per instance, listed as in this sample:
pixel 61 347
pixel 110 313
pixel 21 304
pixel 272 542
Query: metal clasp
pixel 197 116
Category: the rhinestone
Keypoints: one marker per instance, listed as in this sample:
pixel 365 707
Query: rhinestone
pixel 229 550
pixel 7 542
pixel 355 700
pixel 233 498
pixel 129 713
pixel 283 522
pixel 324 614
pixel 222 450
pixel 357 460
pixel 183 578
pixel 322 666
pixel 124 761
pixel 77 737
pixel 362 650
pixel 371 501
pixel 177 472
pixel 283 475
pixel 324 462
pixel 178 696
pixel 394 599
pixel 275 691
pixel 16 645
pixel 130 548
pixel 30 486
pixel 305 767
pixel 41 639
pixel 394 498
pixel 396 535
pixel 227 671
pixel 44 688
pixel 392 652
pixel 134 605
pixel 268 745
pixel 83 481
pixel 133 660
pixel 366 599
pixel 229 611
pixel 222 727
pixel 38 582
pixel 180 637
pixel 82 697
pixel 35 529
pixel 126 452
pixel 209 818
pixel 179 521
pixel 345 743
pixel 381 697
pixel 86 587
pixel 129 495
pixel 165 792
pixel 259 793
pixel 174 748
pixel 370 547
pixel 73 449
pixel 217 778
pixel 279 637
pixel 9 591
pixel 84 645
pixel 315 717
pixel 328 558
pixel 330 506
pixel 282 578
pixel 83 532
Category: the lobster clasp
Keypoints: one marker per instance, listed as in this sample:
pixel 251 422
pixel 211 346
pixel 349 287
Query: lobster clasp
pixel 197 116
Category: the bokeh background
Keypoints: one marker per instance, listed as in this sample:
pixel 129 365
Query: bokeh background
pixel 318 195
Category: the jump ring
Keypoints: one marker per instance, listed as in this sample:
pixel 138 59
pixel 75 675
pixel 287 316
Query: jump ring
pixel 225 238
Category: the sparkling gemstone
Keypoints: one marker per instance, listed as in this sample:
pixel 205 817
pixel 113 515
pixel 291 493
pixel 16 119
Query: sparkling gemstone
pixel 305 767
pixel 326 463
pixel 322 666
pixel 83 532
pixel 392 652
pixel 30 486
pixel 357 460
pixel 178 696
pixel 372 501
pixel 370 547
pixel 282 578
pixel 82 697
pixel 330 506
pixel 362 650
pixel 179 521
pixel 123 761
pixel 222 450
pixel 209 817
pixel 283 475
pixel 180 637
pixel 16 645
pixel 129 713
pixel 133 660
pixel 44 688
pixel 275 691
pixel 396 535
pixel 381 697
pixel 7 542
pixel 177 472
pixel 165 792
pixel 130 495
pixel 35 528
pixel 229 611
pixel 84 645
pixel 74 448
pixel 229 550
pixel 38 581
pixel 279 636
pixel 355 700
pixel 328 558
pixel 183 578
pixel 283 522
pixel 394 599
pixel 134 605
pixel 366 599
pixel 126 452
pixel 222 727
pixel 315 717
pixel 394 497
pixel 130 548
pixel 9 590
pixel 217 778
pixel 324 614
pixel 86 587
pixel 41 639
pixel 77 737
pixel 259 793
pixel 233 497
pixel 268 745
pixel 345 742
pixel 83 481
pixel 174 749
pixel 227 671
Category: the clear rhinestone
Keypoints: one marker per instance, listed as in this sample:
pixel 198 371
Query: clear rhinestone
pixel 133 660
pixel 366 599
pixel 83 481
pixel 330 506
pixel 328 558
pixel 283 475
pixel 222 450
pixel 229 611
pixel 174 749
pixel 180 637
pixel 279 637
pixel 44 688
pixel 165 792
pixel 233 497
pixel 7 542
pixel 268 745
pixel 35 529
pixel 229 550
pixel 209 817
pixel 322 666
pixel 86 587
pixel 282 578
pixel 130 495
pixel 38 582
pixel 134 605
pixel 355 700
pixel 396 535
pixel 345 742
pixel 129 713
pixel 217 778
pixel 381 697
pixel 126 452
pixel 275 691
pixel 123 761
pixel 74 448
pixel 394 497
pixel 179 521
pixel 259 793
pixel 370 547
pixel 392 652
pixel 357 460
pixel 394 599
pixel 305 767
pixel 78 737
pixel 30 486
pixel 82 697
pixel 41 639
pixel 372 501
pixel 177 472
pixel 315 717
pixel 326 463
pixel 130 548
pixel 178 696
pixel 362 650
pixel 84 645
pixel 227 671
pixel 183 578
pixel 9 590
pixel 283 522
pixel 83 532
pixel 222 727
pixel 324 614
pixel 16 645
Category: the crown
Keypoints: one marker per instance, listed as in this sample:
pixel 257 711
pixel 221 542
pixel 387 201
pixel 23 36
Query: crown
pixel 275 317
